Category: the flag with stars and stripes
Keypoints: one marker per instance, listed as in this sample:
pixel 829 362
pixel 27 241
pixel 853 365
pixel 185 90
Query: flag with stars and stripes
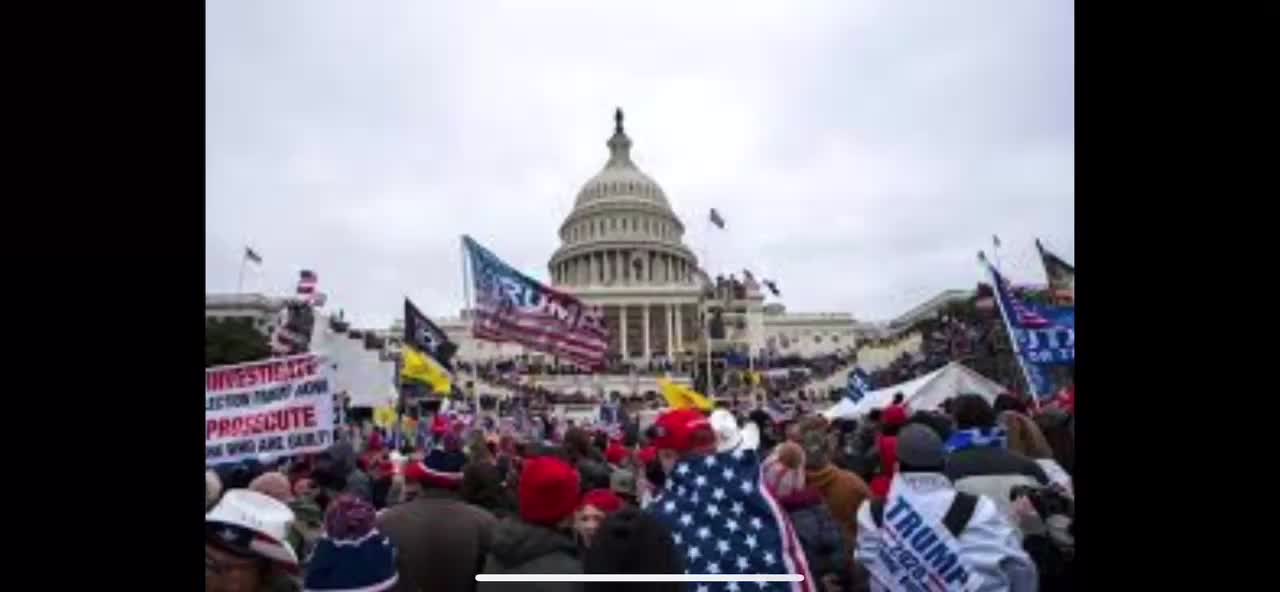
pixel 723 521
pixel 512 307
pixel 1021 313
pixel 1044 335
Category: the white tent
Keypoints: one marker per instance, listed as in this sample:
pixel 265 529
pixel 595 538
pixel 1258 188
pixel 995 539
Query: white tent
pixel 925 392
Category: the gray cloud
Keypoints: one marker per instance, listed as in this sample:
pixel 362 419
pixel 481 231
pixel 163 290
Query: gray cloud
pixel 862 152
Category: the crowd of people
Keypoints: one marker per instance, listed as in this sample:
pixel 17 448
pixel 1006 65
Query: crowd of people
pixel 363 516
pixel 779 376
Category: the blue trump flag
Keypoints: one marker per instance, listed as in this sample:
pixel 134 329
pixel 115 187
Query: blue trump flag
pixel 1043 335
pixel 859 384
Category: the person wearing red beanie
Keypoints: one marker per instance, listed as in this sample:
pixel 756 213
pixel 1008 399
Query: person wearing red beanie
pixel 548 491
pixel 596 505
pixel 615 454
pixel 540 540
pixel 647 454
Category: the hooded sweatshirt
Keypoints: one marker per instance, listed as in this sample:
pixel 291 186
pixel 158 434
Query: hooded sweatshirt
pixel 518 547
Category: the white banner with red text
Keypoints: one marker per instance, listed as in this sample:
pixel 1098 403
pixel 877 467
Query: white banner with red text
pixel 281 407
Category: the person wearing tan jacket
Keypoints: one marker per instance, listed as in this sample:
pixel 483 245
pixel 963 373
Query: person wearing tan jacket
pixel 842 490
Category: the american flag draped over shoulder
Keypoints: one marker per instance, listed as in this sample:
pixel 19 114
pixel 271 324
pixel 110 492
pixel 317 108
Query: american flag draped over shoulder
pixel 724 521
pixel 512 307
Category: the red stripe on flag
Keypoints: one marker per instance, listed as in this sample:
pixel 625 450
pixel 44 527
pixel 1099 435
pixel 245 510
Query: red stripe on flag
pixel 540 321
pixel 536 328
pixel 588 358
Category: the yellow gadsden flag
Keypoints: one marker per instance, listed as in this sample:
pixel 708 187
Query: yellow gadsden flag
pixel 679 396
pixel 419 367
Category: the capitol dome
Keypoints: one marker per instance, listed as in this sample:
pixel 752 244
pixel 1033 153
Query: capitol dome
pixel 622 230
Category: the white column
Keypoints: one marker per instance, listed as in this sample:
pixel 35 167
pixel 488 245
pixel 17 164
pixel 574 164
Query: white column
pixel 616 274
pixel 679 327
pixel 671 328
pixel 645 318
pixel 622 325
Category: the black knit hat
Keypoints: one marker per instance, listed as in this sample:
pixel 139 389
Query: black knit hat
pixel 630 541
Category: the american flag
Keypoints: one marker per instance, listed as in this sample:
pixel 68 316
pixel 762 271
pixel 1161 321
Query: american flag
pixel 724 521
pixel 307 282
pixel 510 306
pixel 1020 313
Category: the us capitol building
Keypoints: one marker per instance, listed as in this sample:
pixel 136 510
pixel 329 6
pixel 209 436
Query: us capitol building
pixel 622 248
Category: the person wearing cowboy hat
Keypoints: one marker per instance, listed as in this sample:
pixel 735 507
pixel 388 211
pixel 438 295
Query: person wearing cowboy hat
pixel 246 544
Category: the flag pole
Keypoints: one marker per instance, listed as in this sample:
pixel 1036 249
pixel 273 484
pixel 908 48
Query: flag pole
pixel 1004 315
pixel 244 260
pixel 706 312
pixel 466 309
pixel 995 249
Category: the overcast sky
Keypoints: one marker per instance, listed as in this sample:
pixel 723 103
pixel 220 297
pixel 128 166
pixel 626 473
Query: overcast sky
pixel 860 152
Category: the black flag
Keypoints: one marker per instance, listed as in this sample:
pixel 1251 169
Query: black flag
pixel 426 337
pixel 772 287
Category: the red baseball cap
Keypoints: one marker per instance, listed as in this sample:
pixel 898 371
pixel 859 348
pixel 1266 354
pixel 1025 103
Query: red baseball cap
pixel 682 430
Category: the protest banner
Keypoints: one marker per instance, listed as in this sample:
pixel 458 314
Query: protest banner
pixel 282 406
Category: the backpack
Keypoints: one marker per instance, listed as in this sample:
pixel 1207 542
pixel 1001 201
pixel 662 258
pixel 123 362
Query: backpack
pixel 955 520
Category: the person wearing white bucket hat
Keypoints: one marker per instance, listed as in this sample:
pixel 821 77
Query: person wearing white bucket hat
pixel 246 548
